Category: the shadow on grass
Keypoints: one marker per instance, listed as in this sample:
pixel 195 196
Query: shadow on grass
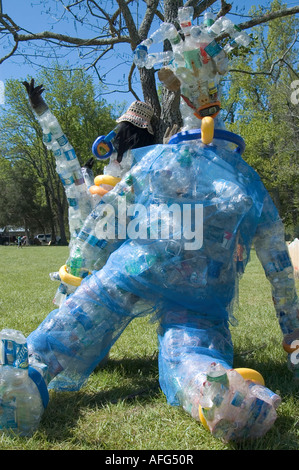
pixel 58 424
pixel 283 435
pixel 65 408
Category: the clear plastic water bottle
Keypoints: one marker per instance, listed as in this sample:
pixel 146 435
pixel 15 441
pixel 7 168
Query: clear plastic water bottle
pixel 208 19
pixel 140 55
pixel 215 51
pixel 236 408
pixel 176 42
pixel 172 34
pixel 52 129
pixel 235 33
pixel 230 46
pixel 21 404
pixel 158 58
pixel 189 396
pixel 228 26
pixel 185 16
pixel 217 27
pixel 200 35
pixel 165 31
pixel 88 176
pixel 241 39
pixel 159 35
pixel 214 393
pixel 265 394
pixel 76 263
pixel 238 36
pixel 186 77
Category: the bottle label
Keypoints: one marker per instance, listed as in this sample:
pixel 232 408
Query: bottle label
pixel 281 261
pixel 218 235
pixel 14 354
pixel 57 153
pixel 62 140
pixel 8 414
pixel 70 154
pixel 209 22
pixel 141 48
pixel 90 239
pixel 221 379
pixel 47 138
pixel 176 40
pixel 72 201
pixel 238 399
pixel 186 24
pixel 213 48
pixel 192 59
pixel 67 181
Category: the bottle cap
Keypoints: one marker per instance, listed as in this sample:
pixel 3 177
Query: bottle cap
pixel 141 47
pixel 222 379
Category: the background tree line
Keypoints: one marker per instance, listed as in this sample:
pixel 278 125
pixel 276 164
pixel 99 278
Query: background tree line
pixel 259 106
pixel 32 195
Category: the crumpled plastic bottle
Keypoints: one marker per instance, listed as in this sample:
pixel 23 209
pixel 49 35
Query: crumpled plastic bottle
pixel 235 408
pixel 21 404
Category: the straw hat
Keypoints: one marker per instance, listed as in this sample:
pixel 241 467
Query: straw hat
pixel 139 114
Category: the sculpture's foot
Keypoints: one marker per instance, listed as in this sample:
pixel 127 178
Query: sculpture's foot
pixel 235 404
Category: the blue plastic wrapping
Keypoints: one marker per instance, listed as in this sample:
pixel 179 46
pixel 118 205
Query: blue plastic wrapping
pixel 188 280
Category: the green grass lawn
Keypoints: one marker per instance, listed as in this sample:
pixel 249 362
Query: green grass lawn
pixel 122 407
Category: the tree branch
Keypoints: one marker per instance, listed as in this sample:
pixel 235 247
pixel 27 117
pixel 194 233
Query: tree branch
pixel 151 10
pixel 199 7
pixel 2 59
pixel 133 38
pixel 269 17
pixel 133 33
pixel 130 82
pixel 275 62
pixel 73 40
pixel 105 16
pixel 225 9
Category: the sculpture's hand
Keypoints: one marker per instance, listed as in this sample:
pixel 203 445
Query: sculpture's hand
pixel 35 98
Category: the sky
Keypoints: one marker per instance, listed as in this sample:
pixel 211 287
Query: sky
pixel 29 15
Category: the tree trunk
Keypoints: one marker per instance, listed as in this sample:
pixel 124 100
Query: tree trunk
pixel 167 113
pixel 170 113
pixel 61 219
pixel 150 95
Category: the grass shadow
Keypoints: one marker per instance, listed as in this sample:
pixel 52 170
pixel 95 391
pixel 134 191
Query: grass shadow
pixel 139 379
pixel 58 425
pixel 283 435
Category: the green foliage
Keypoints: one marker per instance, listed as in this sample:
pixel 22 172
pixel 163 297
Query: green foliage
pixel 71 96
pixel 20 202
pixel 26 163
pixel 258 106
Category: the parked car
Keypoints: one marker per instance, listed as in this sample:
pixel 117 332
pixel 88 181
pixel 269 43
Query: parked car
pixel 5 240
pixel 42 239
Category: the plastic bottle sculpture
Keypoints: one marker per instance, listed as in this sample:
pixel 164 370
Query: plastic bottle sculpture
pixel 171 240
pixel 197 63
